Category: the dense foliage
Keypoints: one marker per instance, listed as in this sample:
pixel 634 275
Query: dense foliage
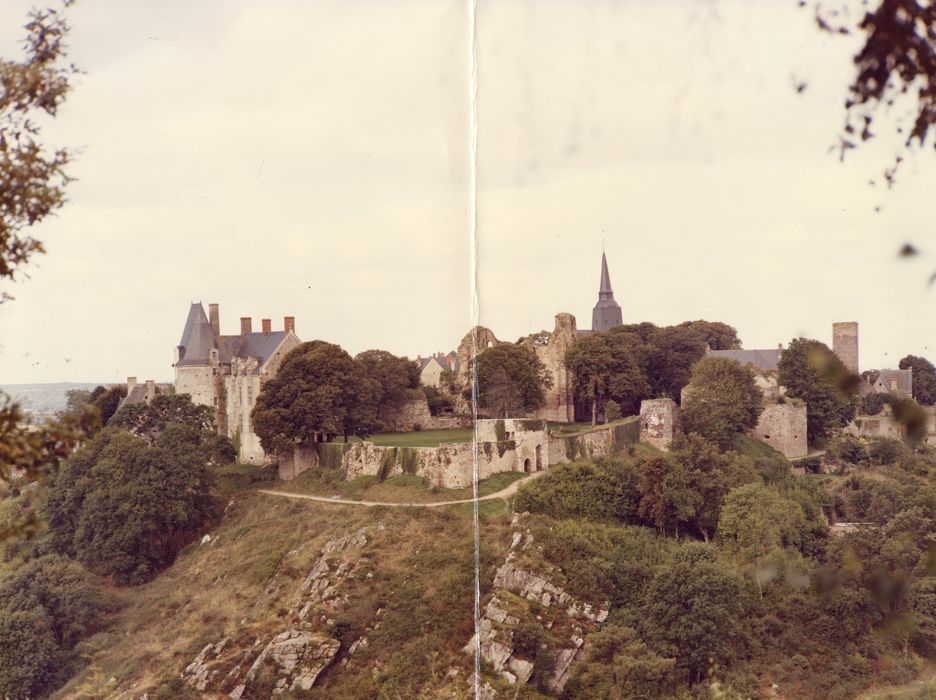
pixel 511 380
pixel 605 369
pixel 924 378
pixel 124 507
pixel 47 605
pixel 722 400
pixel 811 371
pixel 397 378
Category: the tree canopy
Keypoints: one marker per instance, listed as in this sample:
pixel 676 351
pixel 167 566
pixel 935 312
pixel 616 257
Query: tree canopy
pixel 924 378
pixel 511 380
pixel 722 400
pixel 397 378
pixel 319 392
pixel 124 507
pixel 811 371
pixel 605 367
pixel 148 420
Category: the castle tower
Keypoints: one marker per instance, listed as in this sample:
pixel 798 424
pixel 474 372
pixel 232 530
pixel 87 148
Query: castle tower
pixel 845 344
pixel 607 312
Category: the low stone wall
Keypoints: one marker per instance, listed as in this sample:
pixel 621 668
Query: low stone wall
pixel 602 442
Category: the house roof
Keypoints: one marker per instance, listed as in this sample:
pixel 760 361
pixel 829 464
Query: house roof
pixel 764 360
pixel 199 339
pixel 895 381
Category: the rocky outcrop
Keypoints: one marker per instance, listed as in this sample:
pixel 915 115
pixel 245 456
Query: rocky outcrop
pixel 296 657
pixel 496 629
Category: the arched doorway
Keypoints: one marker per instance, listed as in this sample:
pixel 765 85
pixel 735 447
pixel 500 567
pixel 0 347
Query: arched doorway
pixel 539 457
pixel 526 464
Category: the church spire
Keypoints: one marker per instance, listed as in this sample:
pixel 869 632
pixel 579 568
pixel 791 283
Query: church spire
pixel 607 312
pixel 605 292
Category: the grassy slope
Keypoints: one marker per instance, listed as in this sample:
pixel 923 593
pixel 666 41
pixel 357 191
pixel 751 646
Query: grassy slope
pixel 407 488
pixel 419 571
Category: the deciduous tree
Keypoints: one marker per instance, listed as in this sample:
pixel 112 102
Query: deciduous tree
pixel 722 401
pixel 511 380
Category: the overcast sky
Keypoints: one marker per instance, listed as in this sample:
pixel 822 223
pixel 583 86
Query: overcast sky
pixel 311 158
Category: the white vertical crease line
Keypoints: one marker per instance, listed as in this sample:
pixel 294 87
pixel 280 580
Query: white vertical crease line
pixel 475 319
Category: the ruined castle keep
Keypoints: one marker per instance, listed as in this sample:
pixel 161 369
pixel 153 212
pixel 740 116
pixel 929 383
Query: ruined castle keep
pixel 226 372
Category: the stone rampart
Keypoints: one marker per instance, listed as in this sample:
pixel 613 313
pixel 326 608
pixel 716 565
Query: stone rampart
pixel 659 422
pixel 783 427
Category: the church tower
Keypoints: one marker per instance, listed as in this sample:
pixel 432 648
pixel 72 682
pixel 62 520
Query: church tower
pixel 606 313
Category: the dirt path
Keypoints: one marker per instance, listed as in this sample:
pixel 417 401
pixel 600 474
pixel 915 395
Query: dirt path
pixel 504 494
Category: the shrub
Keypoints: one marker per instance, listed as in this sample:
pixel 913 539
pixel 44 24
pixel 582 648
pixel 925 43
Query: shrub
pixel 612 411
pixel 872 404
pixel 847 449
pixel 582 491
pixel 884 451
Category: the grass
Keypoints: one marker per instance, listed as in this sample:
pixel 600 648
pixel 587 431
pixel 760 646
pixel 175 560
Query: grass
pixel 573 429
pixel 406 488
pixel 419 438
pixel 418 569
pixel 232 478
pixel 755 449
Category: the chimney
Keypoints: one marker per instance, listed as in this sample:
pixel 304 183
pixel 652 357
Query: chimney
pixel 289 323
pixel 214 318
pixel 150 390
pixel 131 383
pixel 246 324
pixel 266 326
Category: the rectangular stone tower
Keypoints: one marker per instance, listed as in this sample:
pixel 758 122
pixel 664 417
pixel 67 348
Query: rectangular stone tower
pixel 845 343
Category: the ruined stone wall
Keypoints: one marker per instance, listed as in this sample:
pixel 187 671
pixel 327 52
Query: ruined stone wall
pixel 551 349
pixel 602 442
pixel 526 437
pixel 659 422
pixel 415 415
pixel 783 427
pixel 880 426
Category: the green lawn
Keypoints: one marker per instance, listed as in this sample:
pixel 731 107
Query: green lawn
pixel 755 449
pixel 573 429
pixel 400 488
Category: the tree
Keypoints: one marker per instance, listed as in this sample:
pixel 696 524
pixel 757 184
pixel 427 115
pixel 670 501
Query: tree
pixel 873 403
pixel 898 58
pixel 812 372
pixel 148 420
pixel 32 179
pixel 511 380
pixel 715 334
pixel 124 507
pixel 76 399
pixel 605 367
pixel 319 392
pixel 108 399
pixel 29 655
pixel 696 610
pixel 396 377
pixel 756 521
pixel 668 496
pixel 722 401
pixel 672 353
pixel 924 378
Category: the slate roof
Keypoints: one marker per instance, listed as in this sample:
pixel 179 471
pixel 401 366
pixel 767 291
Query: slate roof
pixel 449 362
pixel 197 338
pixel 764 360
pixel 895 381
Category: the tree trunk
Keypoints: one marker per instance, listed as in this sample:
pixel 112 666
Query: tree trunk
pixel 594 411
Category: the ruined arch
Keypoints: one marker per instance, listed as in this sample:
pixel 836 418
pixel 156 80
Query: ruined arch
pixel 526 465
pixel 539 458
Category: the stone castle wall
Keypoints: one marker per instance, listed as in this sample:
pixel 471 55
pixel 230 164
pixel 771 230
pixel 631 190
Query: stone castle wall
pixel 783 427
pixel 845 344
pixel 414 415
pixel 520 445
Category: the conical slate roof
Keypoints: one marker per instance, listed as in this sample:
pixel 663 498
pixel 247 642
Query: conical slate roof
pixel 607 312
pixel 198 339
pixel 604 291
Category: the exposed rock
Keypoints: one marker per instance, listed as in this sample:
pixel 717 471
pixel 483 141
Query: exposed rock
pixel 299 658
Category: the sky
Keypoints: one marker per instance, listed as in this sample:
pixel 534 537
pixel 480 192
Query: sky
pixel 313 159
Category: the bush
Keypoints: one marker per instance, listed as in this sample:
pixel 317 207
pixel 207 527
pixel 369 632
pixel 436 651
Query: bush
pixel 847 449
pixel 884 451
pixel 873 403
pixel 612 411
pixel 125 508
pixel 582 491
